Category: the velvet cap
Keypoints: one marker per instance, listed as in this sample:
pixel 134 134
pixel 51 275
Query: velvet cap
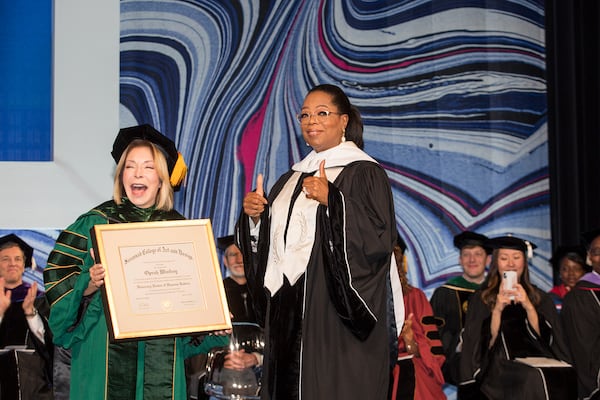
pixel 27 249
pixel 175 163
pixel 589 236
pixel 469 238
pixel 561 251
pixel 512 243
pixel 224 242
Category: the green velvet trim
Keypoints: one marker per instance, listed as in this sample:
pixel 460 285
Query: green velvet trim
pixel 127 212
pixel 63 268
pixel 122 367
pixel 58 260
pixel 73 240
pixel 159 368
pixel 64 262
pixel 62 287
pixel 155 359
pixel 458 282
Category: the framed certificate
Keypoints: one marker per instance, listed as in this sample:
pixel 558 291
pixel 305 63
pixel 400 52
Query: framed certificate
pixel 162 279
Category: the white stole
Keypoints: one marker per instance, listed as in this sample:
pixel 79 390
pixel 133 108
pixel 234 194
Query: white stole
pixel 289 254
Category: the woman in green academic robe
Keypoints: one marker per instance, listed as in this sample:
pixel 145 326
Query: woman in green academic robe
pixel 148 169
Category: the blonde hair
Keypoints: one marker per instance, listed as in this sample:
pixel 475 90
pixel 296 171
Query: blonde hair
pixel 164 197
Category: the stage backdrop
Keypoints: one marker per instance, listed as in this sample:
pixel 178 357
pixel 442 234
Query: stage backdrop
pixel 452 93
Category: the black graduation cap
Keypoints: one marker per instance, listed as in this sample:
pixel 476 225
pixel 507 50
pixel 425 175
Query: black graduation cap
pixel 224 242
pixel 27 249
pixel 175 163
pixel 469 238
pixel 574 251
pixel 589 236
pixel 513 243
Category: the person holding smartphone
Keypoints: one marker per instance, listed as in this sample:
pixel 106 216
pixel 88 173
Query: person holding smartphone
pixel 510 322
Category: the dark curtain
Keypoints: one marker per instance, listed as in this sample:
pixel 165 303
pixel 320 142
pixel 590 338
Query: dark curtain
pixel 572 51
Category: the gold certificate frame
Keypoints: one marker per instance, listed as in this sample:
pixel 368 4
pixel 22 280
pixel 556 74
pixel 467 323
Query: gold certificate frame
pixel 161 279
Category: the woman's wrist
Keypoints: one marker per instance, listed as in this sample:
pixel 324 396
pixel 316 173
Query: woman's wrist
pixel 31 313
pixel 529 308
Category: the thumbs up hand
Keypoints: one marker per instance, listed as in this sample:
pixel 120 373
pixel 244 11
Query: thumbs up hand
pixel 259 185
pixel 317 187
pixel 254 202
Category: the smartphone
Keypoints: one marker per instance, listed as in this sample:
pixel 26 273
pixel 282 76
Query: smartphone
pixel 509 281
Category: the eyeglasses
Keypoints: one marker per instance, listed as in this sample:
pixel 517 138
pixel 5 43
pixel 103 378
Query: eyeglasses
pixel 320 116
pixel 595 252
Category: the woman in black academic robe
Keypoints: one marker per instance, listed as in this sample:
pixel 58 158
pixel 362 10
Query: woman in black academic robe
pixel 319 272
pixel 504 324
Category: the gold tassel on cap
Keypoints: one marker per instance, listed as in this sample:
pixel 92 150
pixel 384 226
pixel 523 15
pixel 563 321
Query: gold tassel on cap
pixel 179 171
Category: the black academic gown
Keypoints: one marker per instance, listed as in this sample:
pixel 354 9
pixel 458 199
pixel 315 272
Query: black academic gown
pixel 494 369
pixel 581 318
pixel 238 301
pixel 450 303
pixel 327 336
pixel 26 373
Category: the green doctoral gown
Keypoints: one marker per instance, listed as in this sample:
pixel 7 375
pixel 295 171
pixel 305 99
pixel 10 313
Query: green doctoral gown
pixel 145 369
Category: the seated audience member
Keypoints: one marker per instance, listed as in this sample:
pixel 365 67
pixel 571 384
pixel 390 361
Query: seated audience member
pixel 240 307
pixel 568 262
pixel 450 301
pixel 581 319
pixel 25 338
pixel 418 372
pixel 236 289
pixel 509 329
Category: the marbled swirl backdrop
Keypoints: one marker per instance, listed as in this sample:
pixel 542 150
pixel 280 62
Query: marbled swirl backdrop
pixel 453 96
